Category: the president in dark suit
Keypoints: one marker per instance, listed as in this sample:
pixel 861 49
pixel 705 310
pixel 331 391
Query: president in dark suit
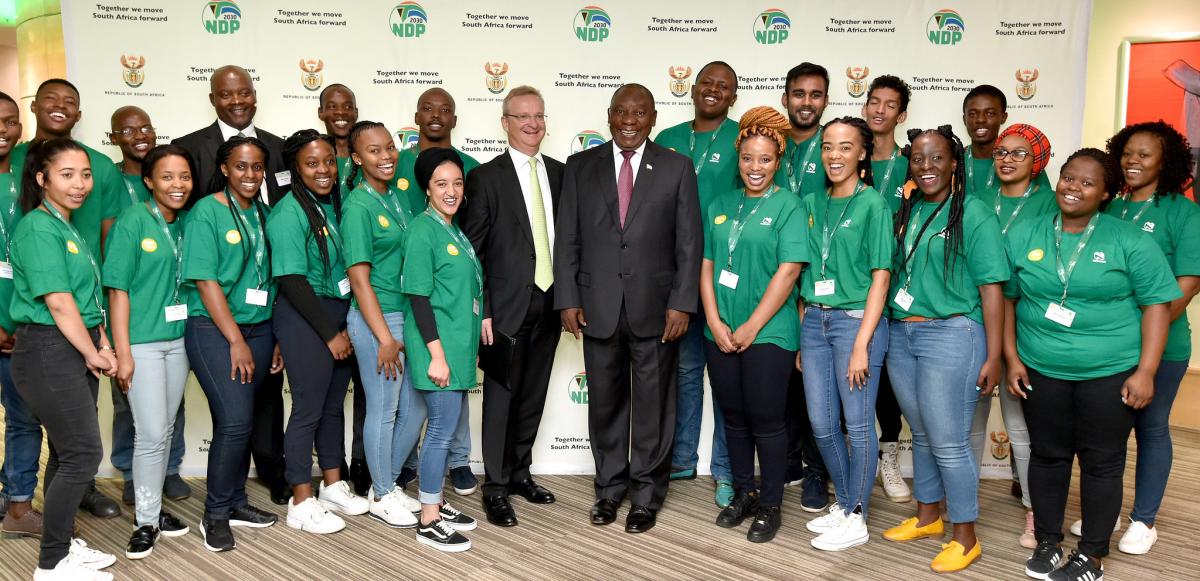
pixel 232 96
pixel 509 217
pixel 627 255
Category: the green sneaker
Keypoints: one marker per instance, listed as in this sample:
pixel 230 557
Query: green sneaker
pixel 724 494
pixel 678 473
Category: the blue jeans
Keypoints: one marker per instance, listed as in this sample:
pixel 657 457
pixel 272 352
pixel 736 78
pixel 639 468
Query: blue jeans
pixel 445 408
pixel 689 408
pixel 826 342
pixel 22 440
pixel 395 411
pixel 933 366
pixel 123 436
pixel 1154 450
pixel 460 445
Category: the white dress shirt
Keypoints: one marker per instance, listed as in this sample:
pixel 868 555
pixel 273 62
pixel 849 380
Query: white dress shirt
pixel 635 161
pixel 521 163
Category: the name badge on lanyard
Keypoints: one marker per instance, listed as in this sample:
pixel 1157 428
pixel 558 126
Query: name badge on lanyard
pixel 6 270
pixel 728 279
pixel 256 297
pixel 475 306
pixel 825 287
pixel 1060 314
pixel 344 286
pixel 176 313
pixel 903 299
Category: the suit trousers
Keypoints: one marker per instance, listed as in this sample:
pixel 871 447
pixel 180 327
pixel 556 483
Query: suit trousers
pixel 631 400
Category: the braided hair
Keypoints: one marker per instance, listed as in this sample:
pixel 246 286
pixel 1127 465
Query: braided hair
pixel 764 122
pixel 956 198
pixel 220 182
pixel 41 153
pixel 868 143
pixel 353 139
pixel 317 222
pixel 1176 173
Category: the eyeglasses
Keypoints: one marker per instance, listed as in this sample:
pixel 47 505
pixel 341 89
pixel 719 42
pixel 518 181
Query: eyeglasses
pixel 526 118
pixel 1017 154
pixel 129 131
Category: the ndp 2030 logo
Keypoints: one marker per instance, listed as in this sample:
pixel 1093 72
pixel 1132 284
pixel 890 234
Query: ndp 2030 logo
pixel 592 24
pixel 772 26
pixel 585 140
pixel 408 20
pixel 945 27
pixel 222 17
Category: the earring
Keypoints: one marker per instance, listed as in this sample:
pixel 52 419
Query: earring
pixel 862 173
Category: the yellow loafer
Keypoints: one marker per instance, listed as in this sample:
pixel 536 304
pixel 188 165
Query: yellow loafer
pixel 954 558
pixel 909 531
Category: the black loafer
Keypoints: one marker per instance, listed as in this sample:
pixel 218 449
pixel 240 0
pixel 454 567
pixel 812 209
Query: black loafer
pixel 640 519
pixel 99 505
pixel 604 511
pixel 531 492
pixel 499 511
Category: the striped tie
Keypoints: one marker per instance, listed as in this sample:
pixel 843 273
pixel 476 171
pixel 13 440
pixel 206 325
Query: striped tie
pixel 543 271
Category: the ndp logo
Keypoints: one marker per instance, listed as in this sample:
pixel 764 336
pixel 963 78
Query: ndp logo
pixel 945 27
pixel 592 24
pixel 407 137
pixel 772 26
pixel 408 20
pixel 222 17
pixel 577 390
pixel 585 140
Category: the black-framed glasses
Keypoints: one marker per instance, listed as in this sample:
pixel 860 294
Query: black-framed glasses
pixel 129 131
pixel 1016 154
pixel 526 118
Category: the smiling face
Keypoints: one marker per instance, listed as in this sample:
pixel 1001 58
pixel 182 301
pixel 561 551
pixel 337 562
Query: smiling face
pixel 375 152
pixel 1009 169
pixel 232 96
pixel 715 92
pixel 525 136
pixel 435 115
pixel 1081 188
pixel 141 135
pixel 1142 160
pixel 805 101
pixel 67 180
pixel 171 182
pixel 932 164
pixel 245 169
pixel 631 115
pixel 758 160
pixel 446 188
pixel 318 166
pixel 338 112
pixel 56 108
pixel 983 115
pixel 882 110
pixel 841 150
pixel 10 128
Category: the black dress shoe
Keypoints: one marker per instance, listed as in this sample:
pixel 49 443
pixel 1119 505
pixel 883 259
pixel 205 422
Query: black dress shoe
pixel 604 511
pixel 640 519
pixel 99 505
pixel 360 477
pixel 742 506
pixel 531 491
pixel 766 524
pixel 499 511
pixel 281 496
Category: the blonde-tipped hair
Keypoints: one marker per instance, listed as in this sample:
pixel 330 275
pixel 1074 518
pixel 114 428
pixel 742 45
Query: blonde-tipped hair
pixel 764 121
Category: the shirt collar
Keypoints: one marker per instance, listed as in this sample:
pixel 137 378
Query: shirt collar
pixel 521 160
pixel 228 131
pixel 638 152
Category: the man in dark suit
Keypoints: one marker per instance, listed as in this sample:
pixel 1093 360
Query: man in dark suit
pixel 232 96
pixel 627 269
pixel 509 217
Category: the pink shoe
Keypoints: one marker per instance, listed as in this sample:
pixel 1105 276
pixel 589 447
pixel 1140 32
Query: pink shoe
pixel 1028 539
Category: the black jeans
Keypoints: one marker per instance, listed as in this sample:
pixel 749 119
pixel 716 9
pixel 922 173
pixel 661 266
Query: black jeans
pixel 53 379
pixel 749 387
pixel 318 383
pixel 803 457
pixel 232 406
pixel 1085 419
pixel 887 409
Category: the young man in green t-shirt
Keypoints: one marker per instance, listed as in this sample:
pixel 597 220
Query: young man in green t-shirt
pixel 338 110
pixel 985 110
pixel 805 96
pixel 133 133
pixel 435 119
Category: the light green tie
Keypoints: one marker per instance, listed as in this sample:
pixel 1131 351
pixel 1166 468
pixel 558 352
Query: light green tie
pixel 543 270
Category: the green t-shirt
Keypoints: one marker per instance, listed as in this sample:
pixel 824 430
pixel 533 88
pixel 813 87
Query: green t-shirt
pixel 890 177
pixel 981 176
pixel 295 250
pixel 773 234
pixel 441 265
pixel 711 151
pixel 344 165
pixel 1041 202
pixel 104 201
pixel 801 170
pixel 216 246
pixel 139 259
pixel 1173 221
pixel 861 243
pixel 406 179
pixel 1118 271
pixel 132 191
pixel 10 214
pixel 373 232
pixel 980 260
pixel 48 258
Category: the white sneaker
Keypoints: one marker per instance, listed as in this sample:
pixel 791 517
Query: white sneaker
pixel 827 522
pixel 1138 539
pixel 893 483
pixel 393 511
pixel 312 517
pixel 88 557
pixel 850 533
pixel 70 569
pixel 340 498
pixel 1077 527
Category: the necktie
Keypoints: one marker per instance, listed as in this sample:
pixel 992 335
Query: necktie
pixel 543 272
pixel 241 134
pixel 625 185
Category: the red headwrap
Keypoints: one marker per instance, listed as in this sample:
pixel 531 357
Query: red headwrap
pixel 1039 144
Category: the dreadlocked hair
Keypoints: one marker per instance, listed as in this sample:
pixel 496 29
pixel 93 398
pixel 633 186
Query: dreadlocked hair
pixel 764 122
pixel 1176 174
pixel 353 139
pixel 956 199
pixel 41 153
pixel 868 142
pixel 317 221
pixel 220 183
pixel 1112 171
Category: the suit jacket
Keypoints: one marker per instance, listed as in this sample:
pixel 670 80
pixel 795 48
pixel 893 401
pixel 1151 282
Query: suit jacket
pixel 203 145
pixel 650 265
pixel 497 222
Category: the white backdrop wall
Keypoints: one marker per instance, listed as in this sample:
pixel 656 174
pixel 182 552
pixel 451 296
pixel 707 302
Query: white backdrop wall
pixel 158 55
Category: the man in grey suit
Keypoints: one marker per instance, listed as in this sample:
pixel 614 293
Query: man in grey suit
pixel 627 252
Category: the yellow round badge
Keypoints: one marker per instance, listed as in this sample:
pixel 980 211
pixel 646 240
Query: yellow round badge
pixel 810 221
pixel 720 219
pixel 149 244
pixel 1036 254
pixel 452 250
pixel 233 236
pixel 71 247
pixel 402 183
pixel 383 221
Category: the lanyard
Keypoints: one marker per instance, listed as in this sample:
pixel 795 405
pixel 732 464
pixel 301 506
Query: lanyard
pixel 699 165
pixel 390 204
pixel 735 230
pixel 331 229
pixel 84 248
pixel 971 174
pixel 826 233
pixel 910 241
pixel 1021 204
pixel 133 197
pixel 461 238
pixel 1064 273
pixel 257 239
pixel 10 214
pixel 1129 201
pixel 887 173
pixel 346 168
pixel 176 243
pixel 794 183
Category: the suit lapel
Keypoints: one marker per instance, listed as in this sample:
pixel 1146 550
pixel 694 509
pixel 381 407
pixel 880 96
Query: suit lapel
pixel 510 187
pixel 555 175
pixel 607 182
pixel 643 184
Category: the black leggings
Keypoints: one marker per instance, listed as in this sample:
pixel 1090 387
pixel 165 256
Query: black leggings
pixel 887 409
pixel 53 379
pixel 1085 419
pixel 750 386
pixel 318 383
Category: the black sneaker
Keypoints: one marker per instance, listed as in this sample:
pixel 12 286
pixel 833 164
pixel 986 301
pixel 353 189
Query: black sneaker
pixel 248 516
pixel 217 535
pixel 406 475
pixel 127 493
pixel 464 480
pixel 1046 558
pixel 141 544
pixel 441 536
pixel 174 488
pixel 814 495
pixel 171 526
pixel 457 520
pixel 742 506
pixel 766 524
pixel 1079 567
